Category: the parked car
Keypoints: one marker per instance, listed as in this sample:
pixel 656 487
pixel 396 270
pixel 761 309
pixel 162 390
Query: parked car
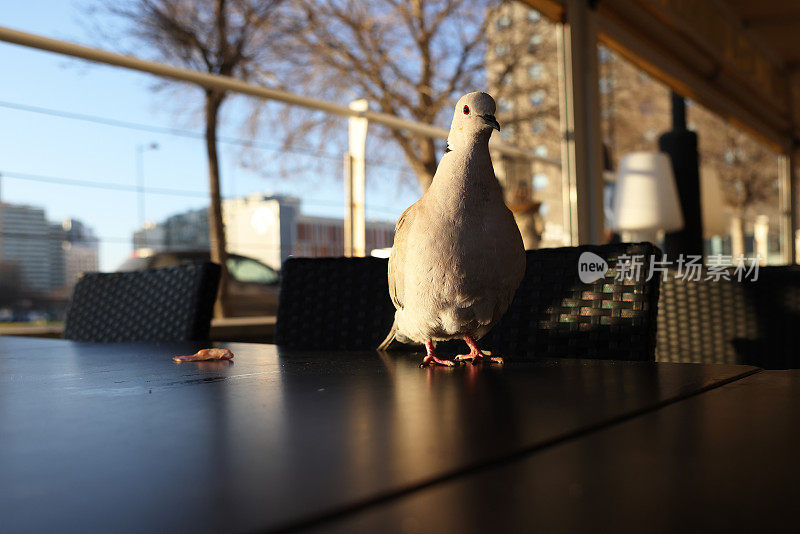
pixel 252 286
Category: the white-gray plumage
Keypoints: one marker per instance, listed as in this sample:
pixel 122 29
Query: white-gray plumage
pixel 458 256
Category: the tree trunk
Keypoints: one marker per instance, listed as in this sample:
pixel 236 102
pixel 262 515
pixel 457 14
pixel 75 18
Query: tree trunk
pixel 216 228
pixel 428 162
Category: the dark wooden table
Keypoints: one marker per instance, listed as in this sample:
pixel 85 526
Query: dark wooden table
pixel 727 460
pixel 120 438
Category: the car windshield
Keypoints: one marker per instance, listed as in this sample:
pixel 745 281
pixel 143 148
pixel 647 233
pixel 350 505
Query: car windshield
pixel 247 270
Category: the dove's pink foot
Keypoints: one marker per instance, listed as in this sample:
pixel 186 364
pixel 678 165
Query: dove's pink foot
pixel 431 358
pixel 475 355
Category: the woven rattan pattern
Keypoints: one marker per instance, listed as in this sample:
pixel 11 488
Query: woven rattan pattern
pixel 731 321
pixel 555 314
pixel 166 304
pixel 334 303
pixel 343 303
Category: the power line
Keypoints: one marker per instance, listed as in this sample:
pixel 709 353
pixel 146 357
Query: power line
pixel 115 239
pixel 187 133
pixel 101 185
pixel 385 210
pixel 160 129
pixel 129 241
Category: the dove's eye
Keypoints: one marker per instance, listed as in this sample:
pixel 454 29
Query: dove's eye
pixel 466 110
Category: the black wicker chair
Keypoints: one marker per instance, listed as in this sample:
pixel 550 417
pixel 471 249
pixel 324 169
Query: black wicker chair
pixel 167 304
pixel 731 321
pixel 555 314
pixel 333 303
pixel 343 303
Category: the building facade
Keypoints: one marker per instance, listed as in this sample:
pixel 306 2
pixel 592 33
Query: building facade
pixel 738 174
pixel 49 255
pixel 522 73
pixel 27 241
pixel 80 251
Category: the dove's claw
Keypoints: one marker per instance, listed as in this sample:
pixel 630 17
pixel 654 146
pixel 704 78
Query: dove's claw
pixel 476 355
pixel 431 359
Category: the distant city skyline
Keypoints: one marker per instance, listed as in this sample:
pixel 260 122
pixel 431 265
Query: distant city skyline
pixel 48 255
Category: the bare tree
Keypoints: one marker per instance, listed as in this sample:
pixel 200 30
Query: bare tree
pixel 748 175
pixel 225 37
pixel 746 169
pixel 408 58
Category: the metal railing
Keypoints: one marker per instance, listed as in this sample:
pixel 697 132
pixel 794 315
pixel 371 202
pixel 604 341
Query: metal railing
pixel 227 83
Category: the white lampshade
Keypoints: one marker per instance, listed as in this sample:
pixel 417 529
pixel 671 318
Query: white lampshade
pixel 646 197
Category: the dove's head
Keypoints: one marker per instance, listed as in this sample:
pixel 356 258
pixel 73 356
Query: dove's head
pixel 474 117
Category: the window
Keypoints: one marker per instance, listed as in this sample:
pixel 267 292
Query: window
pixel 603 54
pixel 500 50
pixel 503 22
pixel 507 132
pixel 606 85
pixel 544 209
pixel 507 79
pixel 537 97
pixel 534 42
pixel 541 151
pixel 534 16
pixel 740 199
pixel 540 181
pixel 538 126
pixel 535 71
pixel 504 105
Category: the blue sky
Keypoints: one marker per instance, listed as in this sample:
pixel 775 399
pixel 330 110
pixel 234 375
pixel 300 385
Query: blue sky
pixel 36 144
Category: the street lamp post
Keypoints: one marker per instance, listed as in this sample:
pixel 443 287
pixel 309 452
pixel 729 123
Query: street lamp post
pixel 140 150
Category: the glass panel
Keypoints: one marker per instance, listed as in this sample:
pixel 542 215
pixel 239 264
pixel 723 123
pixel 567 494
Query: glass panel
pixel 144 192
pixel 634 111
pixel 739 178
pixel 528 108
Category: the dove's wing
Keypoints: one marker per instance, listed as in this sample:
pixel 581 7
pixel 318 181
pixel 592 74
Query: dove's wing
pixel 398 256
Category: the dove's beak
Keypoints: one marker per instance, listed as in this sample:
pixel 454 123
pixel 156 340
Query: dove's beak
pixel 491 121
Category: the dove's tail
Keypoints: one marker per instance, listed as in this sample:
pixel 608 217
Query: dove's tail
pixel 389 338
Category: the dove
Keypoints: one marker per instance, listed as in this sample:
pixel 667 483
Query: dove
pixel 458 256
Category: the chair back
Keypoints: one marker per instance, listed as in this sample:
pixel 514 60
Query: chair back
pixel 555 314
pixel 165 304
pixel 343 303
pixel 720 319
pixel 334 303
